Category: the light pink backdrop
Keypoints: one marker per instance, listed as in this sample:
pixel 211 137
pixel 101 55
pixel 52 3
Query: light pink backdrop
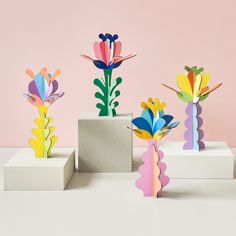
pixel 167 35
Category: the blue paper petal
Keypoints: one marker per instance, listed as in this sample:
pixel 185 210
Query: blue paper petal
pixel 54 97
pixel 156 118
pixel 160 123
pixel 100 64
pixel 141 123
pixel 146 115
pixel 151 114
pixel 42 86
pixel 116 65
pixel 161 113
pixel 167 118
pixel 173 125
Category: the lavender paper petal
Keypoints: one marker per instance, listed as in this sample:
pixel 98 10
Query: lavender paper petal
pixel 55 86
pixel 33 88
pixel 49 90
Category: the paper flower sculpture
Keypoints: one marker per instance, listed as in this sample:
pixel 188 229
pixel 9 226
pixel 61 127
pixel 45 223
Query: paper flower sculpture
pixel 194 88
pixel 107 53
pixel 153 125
pixel 42 93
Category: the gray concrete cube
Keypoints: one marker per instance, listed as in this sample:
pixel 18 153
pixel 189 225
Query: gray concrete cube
pixel 25 172
pixel 105 143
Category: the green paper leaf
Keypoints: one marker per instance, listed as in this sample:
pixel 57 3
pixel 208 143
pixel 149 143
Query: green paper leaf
pixel 187 68
pixel 200 70
pixel 185 96
pixel 202 98
pixel 100 85
pixel 100 96
pixel 115 84
pixel 116 104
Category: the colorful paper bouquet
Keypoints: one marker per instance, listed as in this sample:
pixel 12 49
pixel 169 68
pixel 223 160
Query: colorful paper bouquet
pixel 107 53
pixel 42 93
pixel 194 88
pixel 152 126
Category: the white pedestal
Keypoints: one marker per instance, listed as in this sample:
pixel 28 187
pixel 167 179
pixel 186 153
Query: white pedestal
pixel 105 143
pixel 25 172
pixel 216 161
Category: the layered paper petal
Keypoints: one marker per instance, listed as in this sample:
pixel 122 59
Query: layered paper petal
pixel 184 84
pixel 205 80
pixel 33 88
pixel 42 86
pixel 141 123
pixel 117 48
pixel 105 52
pixel 97 51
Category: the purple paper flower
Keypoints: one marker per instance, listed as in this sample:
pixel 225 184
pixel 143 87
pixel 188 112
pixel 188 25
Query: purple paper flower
pixel 43 88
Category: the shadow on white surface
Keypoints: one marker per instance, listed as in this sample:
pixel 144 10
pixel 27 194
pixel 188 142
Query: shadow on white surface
pixel 80 180
pixel 178 194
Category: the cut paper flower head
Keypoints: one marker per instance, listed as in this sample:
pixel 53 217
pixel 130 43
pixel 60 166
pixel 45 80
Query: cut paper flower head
pixel 193 85
pixel 43 88
pixel 107 52
pixel 153 123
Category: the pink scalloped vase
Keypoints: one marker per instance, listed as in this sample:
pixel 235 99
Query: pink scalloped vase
pixel 152 171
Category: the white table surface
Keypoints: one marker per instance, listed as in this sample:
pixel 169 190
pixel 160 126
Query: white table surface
pixel 110 204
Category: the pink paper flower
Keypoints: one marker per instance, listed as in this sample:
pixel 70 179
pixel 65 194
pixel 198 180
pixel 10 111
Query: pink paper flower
pixel 107 52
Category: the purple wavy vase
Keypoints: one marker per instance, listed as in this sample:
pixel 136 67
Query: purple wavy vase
pixel 152 171
pixel 193 134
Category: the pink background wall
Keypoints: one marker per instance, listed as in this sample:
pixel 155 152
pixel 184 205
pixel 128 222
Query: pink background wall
pixel 167 35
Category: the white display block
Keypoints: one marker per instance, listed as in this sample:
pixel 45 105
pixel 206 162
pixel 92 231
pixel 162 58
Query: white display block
pixel 216 161
pixel 105 143
pixel 25 172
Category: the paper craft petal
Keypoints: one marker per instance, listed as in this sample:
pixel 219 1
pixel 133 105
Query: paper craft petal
pixel 115 65
pixel 49 91
pixel 33 88
pixel 55 86
pixel 143 134
pixel 146 115
pixel 54 97
pixel 184 84
pixel 205 80
pixel 191 80
pixel 185 96
pixel 174 124
pixel 158 135
pixel 100 64
pixel 42 86
pixel 117 48
pixel 141 123
pixel 168 119
pixel 97 51
pixel 158 125
pixel 197 85
pixel 105 52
